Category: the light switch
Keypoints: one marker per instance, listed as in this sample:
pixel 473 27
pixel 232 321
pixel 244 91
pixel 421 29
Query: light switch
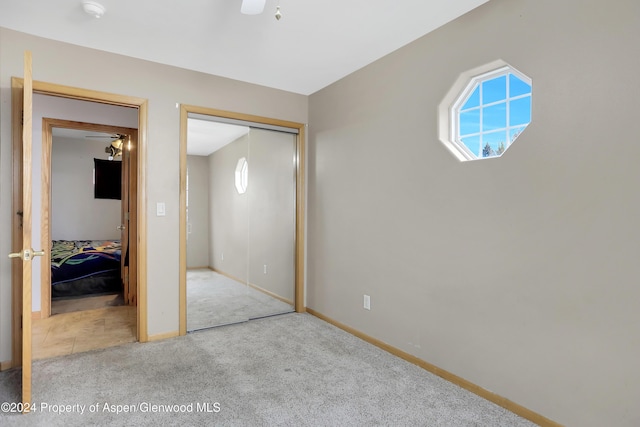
pixel 160 209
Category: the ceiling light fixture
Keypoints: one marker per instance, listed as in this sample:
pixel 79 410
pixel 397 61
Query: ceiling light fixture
pixel 114 149
pixel 93 8
pixel 252 7
pixel 278 14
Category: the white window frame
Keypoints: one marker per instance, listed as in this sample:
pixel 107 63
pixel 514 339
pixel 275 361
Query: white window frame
pixel 242 175
pixel 448 110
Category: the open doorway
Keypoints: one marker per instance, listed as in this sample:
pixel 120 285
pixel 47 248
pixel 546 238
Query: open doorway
pixel 88 197
pixel 90 193
pixel 139 108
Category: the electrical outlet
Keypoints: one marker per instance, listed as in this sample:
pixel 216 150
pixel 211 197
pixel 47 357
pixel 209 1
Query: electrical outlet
pixel 265 269
pixel 222 256
pixel 367 302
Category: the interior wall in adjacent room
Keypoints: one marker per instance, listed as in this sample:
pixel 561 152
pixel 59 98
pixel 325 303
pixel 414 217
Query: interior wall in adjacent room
pixel 229 227
pixel 198 234
pixel 75 213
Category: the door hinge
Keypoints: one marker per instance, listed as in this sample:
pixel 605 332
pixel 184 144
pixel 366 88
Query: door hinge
pixel 126 216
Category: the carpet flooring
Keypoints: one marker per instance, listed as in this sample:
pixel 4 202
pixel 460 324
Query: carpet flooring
pixel 214 299
pixel 289 370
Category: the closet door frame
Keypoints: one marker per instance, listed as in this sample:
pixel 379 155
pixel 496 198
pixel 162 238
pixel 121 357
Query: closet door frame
pixel 299 266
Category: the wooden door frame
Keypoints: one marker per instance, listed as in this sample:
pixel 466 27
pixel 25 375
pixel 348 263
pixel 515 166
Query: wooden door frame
pixel 26 173
pixel 141 104
pixel 300 204
pixel 47 146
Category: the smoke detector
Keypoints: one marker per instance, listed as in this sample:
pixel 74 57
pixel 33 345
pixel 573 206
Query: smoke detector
pixel 93 8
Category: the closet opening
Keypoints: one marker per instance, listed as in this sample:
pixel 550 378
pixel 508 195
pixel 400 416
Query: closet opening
pixel 241 218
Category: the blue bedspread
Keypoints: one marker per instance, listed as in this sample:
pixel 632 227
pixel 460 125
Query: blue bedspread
pixel 77 259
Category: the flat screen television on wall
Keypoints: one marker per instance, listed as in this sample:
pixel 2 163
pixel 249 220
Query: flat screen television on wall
pixel 107 179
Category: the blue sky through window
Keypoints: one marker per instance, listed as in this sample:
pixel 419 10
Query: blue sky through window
pixel 494 113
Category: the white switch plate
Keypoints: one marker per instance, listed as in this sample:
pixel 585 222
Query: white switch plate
pixel 160 209
pixel 367 302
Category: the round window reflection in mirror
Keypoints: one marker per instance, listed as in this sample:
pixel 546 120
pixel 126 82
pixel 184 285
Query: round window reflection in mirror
pixel 242 175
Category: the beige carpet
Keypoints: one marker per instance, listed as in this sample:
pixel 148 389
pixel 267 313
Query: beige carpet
pixel 215 300
pixel 290 370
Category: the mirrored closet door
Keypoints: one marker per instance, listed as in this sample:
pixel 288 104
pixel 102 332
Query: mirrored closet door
pixel 241 219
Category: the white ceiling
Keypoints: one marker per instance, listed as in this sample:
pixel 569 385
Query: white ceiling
pixel 315 43
pixel 204 136
pixel 81 134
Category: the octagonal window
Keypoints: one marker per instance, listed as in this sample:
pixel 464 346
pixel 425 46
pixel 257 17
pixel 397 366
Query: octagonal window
pixel 242 175
pixel 488 111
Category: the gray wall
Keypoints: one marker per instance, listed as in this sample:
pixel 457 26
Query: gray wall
pixel 198 212
pixel 75 213
pixel 163 87
pixel 272 211
pixel 519 273
pixel 229 210
pixel 256 228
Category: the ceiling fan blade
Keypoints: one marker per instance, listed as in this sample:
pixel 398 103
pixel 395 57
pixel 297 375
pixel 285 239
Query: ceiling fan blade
pixel 252 7
pixel 113 136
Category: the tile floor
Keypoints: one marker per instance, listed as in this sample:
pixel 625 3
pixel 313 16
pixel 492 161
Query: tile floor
pixel 68 333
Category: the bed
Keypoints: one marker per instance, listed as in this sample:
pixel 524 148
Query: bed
pixel 83 267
